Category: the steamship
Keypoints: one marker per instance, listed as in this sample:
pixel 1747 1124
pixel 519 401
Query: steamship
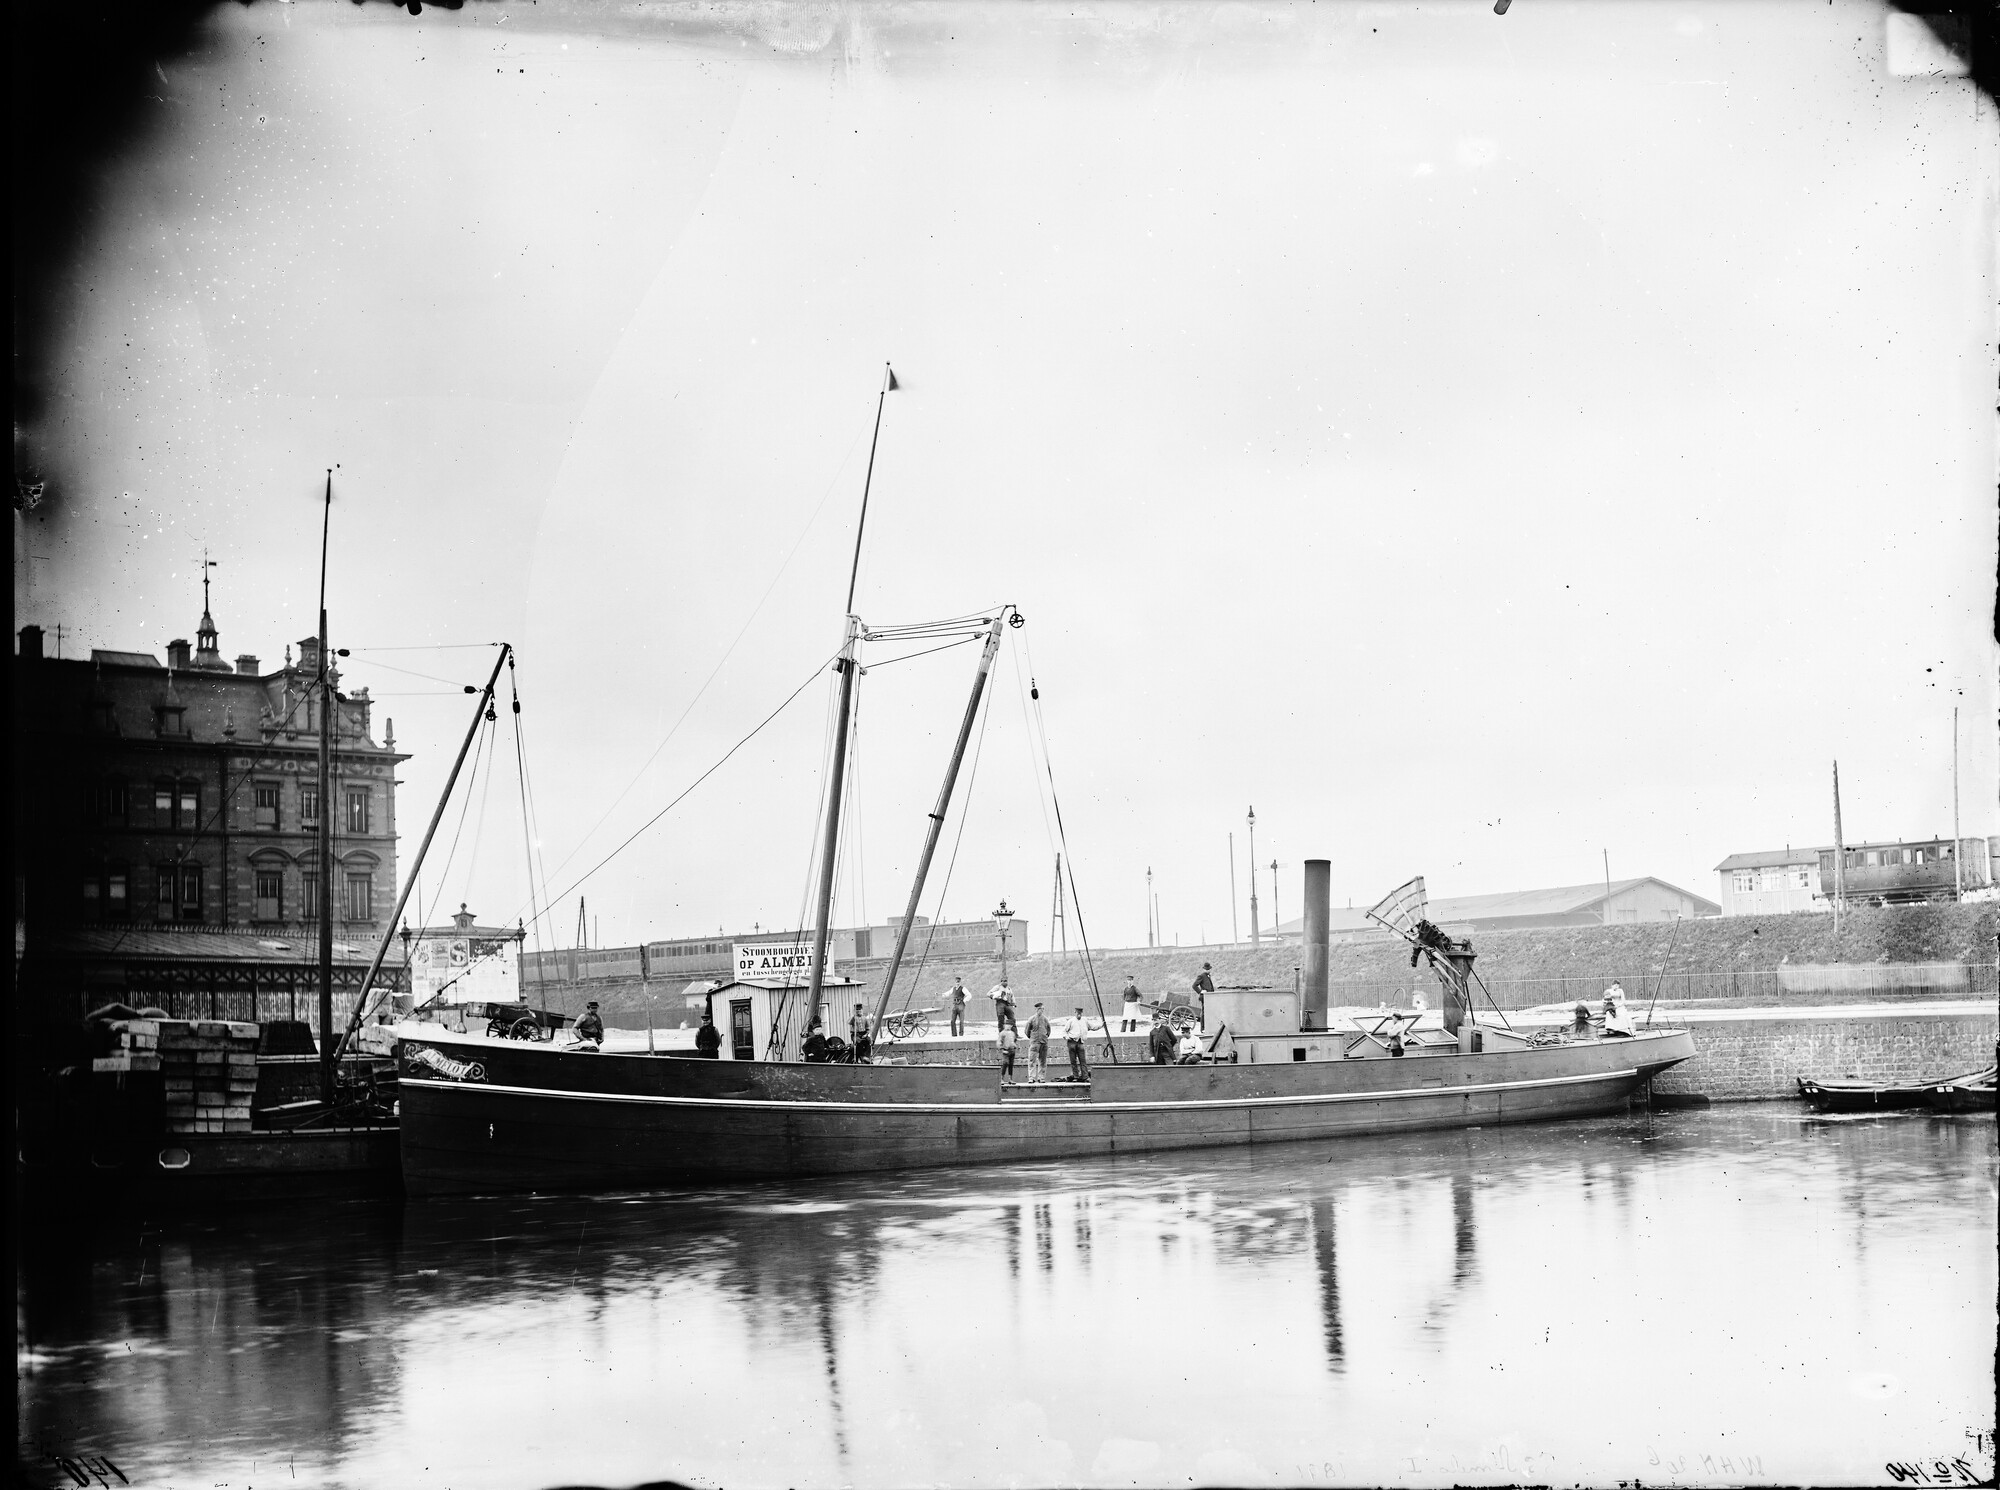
pixel 485 1114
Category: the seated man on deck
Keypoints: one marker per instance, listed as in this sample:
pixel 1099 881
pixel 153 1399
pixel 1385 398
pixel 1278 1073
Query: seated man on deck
pixel 1188 1052
pixel 589 1029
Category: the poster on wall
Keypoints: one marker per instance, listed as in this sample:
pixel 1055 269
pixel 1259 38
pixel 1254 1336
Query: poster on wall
pixel 464 970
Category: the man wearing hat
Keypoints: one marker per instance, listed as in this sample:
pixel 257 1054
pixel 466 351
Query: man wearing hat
pixel 1038 1045
pixel 1204 985
pixel 1073 1033
pixel 1129 1024
pixel 590 1027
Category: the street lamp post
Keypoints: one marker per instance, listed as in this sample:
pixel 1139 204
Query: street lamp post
pixel 1003 920
pixel 1254 939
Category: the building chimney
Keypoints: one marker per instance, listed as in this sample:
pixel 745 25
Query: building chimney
pixel 247 665
pixel 309 654
pixel 1319 880
pixel 177 653
pixel 31 643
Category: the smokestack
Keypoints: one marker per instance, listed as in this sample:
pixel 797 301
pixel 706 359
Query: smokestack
pixel 1319 881
pixel 31 643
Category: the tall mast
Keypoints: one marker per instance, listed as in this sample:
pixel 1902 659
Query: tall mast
pixel 479 711
pixel 327 1054
pixel 937 822
pixel 845 665
pixel 1839 854
pixel 1957 849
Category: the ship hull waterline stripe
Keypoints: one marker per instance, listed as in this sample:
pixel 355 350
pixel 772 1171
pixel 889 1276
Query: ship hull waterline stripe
pixel 1021 1105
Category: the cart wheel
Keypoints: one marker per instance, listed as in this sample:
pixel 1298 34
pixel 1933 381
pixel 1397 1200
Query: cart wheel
pixel 498 1029
pixel 524 1029
pixel 921 1027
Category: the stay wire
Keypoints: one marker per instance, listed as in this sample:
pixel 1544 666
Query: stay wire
pixel 527 827
pixel 965 808
pixel 724 759
pixel 1069 863
pixel 728 652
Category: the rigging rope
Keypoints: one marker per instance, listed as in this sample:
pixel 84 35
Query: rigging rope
pixel 1075 900
pixel 719 764
pixel 729 652
pixel 527 827
pixel 965 808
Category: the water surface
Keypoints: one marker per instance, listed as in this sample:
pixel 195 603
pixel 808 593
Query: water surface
pixel 1732 1296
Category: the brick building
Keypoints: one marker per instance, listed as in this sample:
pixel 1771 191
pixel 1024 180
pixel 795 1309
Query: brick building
pixel 186 796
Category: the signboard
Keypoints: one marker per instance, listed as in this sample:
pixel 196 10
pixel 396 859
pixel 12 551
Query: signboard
pixel 464 970
pixel 790 961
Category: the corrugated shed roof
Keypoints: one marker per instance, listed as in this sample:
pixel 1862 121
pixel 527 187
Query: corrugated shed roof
pixel 140 943
pixel 1770 858
pixel 125 659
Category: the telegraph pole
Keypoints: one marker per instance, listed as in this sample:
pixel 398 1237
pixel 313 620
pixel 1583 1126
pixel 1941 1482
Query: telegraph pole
pixel 1957 852
pixel 1277 910
pixel 1152 921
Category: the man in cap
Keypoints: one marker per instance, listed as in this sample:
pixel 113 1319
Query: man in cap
pixel 1038 1045
pixel 1161 1041
pixel 858 1039
pixel 1003 1002
pixel 590 1027
pixel 1073 1032
pixel 958 1007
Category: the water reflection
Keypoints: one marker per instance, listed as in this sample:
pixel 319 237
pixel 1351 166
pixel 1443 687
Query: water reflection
pixel 1239 1317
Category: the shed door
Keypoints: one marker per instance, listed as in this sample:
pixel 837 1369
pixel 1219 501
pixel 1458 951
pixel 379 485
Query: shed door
pixel 742 1043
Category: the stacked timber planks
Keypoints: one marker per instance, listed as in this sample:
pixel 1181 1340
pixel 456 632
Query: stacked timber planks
pixel 210 1070
pixel 135 1046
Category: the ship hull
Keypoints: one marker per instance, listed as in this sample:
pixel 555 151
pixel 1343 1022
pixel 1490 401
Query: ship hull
pixel 485 1117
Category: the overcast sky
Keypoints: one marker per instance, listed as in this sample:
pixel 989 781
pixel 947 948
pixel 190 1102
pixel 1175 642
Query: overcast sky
pixel 1482 443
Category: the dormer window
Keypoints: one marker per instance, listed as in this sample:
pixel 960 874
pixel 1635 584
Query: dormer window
pixel 169 719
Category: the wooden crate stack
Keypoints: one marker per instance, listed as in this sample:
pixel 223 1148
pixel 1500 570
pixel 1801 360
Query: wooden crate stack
pixel 210 1069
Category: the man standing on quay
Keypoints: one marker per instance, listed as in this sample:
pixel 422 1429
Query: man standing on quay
pixel 958 1008
pixel 1130 1024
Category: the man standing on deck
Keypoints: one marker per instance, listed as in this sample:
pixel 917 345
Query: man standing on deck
pixel 1204 985
pixel 1038 1045
pixel 958 1008
pixel 1008 1040
pixel 1161 1041
pixel 1073 1033
pixel 857 1034
pixel 1129 1025
pixel 708 1039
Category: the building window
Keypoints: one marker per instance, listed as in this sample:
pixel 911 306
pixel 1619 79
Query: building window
pixel 108 804
pixel 189 813
pixel 101 718
pixel 267 804
pixel 309 808
pixel 168 720
pixel 168 880
pixel 309 896
pixel 1803 880
pixel 1745 881
pixel 357 811
pixel 190 892
pixel 360 898
pixel 742 1036
pixel 106 893
pixel 270 895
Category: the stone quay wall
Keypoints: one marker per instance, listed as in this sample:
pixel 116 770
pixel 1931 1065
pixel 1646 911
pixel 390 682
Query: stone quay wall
pixel 1758 1055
